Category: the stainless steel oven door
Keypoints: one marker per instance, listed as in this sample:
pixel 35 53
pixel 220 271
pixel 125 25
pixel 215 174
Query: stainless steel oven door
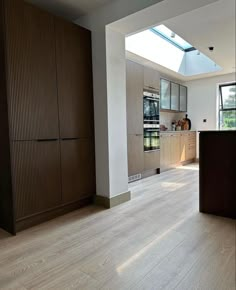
pixel 151 109
pixel 151 139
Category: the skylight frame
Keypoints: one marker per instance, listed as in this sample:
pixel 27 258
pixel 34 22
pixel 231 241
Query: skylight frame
pixel 162 35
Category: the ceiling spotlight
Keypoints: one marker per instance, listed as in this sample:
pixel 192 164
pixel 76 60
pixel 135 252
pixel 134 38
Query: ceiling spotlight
pixel 172 35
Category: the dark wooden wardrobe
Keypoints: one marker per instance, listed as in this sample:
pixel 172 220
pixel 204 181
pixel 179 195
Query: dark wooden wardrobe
pixel 47 160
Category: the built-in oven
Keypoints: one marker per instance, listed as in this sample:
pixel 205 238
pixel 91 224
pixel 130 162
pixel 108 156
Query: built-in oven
pixel 151 122
pixel 151 137
pixel 151 106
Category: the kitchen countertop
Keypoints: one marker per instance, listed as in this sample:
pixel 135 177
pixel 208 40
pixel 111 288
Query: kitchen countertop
pixel 181 131
pixel 217 131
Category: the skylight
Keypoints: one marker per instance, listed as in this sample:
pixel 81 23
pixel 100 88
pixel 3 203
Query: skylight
pixel 172 37
pixel 162 46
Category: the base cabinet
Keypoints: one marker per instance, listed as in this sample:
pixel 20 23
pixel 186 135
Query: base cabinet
pixel 138 160
pixel 36 177
pixel 177 148
pixel 165 150
pixel 135 154
pixel 151 160
pixel 77 170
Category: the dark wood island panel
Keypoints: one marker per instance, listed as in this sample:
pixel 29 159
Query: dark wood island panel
pixel 218 173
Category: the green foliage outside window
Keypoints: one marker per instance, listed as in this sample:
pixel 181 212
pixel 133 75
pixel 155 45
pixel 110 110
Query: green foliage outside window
pixel 227 116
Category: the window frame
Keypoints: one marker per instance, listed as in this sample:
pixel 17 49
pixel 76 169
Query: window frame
pixel 221 106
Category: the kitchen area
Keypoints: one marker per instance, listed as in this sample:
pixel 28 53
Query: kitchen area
pixel 159 132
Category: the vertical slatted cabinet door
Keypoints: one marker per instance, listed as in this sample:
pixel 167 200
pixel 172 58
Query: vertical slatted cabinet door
pixel 36 176
pixel 7 220
pixel 78 170
pixel 30 43
pixel 74 71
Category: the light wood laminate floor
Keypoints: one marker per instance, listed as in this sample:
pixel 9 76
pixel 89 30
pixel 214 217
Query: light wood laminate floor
pixel 158 240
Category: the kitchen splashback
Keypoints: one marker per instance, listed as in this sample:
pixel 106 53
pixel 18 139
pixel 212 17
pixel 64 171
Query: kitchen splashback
pixel 166 118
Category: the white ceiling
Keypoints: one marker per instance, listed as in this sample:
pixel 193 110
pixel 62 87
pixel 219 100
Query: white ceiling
pixel 211 25
pixel 70 9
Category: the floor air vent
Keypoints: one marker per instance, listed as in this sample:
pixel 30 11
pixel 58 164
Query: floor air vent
pixel 135 177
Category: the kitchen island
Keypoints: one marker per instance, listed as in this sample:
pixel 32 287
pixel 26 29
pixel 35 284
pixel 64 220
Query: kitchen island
pixel 217 161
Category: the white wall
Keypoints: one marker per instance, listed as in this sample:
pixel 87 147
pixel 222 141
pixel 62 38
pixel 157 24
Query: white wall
pixel 199 64
pixel 203 101
pixel 109 80
pixel 117 125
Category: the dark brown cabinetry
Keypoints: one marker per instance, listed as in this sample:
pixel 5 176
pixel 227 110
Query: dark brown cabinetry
pixel 75 90
pixel 78 169
pixel 30 50
pixel 36 176
pixel 217 167
pixel 46 116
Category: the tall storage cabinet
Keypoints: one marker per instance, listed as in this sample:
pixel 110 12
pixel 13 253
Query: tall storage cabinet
pixel 31 72
pixel 46 116
pixel 134 92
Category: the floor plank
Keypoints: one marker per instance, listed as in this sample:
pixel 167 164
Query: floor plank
pixel 158 240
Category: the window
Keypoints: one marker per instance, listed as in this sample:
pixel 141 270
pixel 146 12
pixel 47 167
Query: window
pixel 164 47
pixel 172 37
pixel 227 111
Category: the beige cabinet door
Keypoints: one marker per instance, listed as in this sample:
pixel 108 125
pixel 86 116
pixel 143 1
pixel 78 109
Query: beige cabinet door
pixel 191 149
pixel 135 154
pixel 152 160
pixel 151 78
pixel 183 146
pixel 175 148
pixel 134 97
pixel 165 151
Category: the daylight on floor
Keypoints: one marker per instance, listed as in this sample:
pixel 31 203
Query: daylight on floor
pixel 114 115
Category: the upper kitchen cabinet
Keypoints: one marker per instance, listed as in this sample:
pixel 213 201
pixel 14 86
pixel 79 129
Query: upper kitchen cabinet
pixel 183 99
pixel 134 92
pixel 31 73
pixel 174 97
pixel 151 78
pixel 74 72
pixel 165 94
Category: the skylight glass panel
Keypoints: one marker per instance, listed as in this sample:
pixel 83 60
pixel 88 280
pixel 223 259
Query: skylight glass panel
pixel 149 46
pixel 158 49
pixel 171 36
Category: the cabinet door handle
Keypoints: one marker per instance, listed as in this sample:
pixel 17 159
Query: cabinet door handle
pixel 46 140
pixel 69 139
pixel 138 134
